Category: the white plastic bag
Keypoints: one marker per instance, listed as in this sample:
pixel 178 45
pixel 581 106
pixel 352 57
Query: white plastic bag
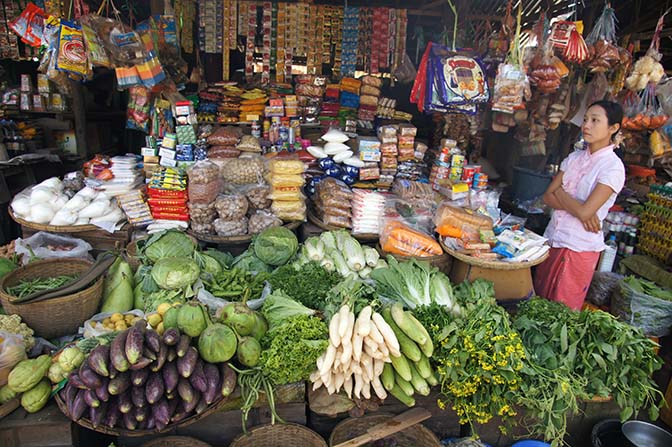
pixel 49 245
pixel 12 351
pixel 88 330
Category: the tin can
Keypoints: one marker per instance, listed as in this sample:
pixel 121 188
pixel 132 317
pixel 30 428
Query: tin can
pixel 469 171
pixel 439 172
pixel 457 160
pixel 480 181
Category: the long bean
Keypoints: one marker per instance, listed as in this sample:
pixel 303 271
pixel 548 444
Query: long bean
pixel 28 286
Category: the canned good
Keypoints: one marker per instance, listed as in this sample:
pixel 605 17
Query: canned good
pixel 480 181
pixel 444 156
pixel 468 172
pixel 457 160
pixel 439 172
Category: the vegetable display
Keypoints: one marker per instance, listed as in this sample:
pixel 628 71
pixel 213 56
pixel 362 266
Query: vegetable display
pixel 26 287
pixel 14 325
pixel 118 288
pixel 276 245
pixel 308 283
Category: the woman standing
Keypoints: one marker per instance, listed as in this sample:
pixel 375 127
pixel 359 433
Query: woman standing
pixel 581 195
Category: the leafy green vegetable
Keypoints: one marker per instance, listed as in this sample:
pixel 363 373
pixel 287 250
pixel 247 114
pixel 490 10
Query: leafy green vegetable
pixel 250 262
pixel 6 266
pixel 225 259
pixel 236 284
pixel 308 285
pixel 168 244
pixel 154 299
pixel 175 273
pixel 207 263
pixel 647 287
pixel 290 351
pixel 276 246
pixel 278 307
pixel 353 292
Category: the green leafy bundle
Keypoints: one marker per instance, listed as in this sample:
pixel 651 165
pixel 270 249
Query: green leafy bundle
pixel 309 284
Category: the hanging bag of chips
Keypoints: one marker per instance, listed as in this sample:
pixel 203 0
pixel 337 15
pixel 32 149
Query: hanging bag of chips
pixel 94 45
pixel 72 51
pixel 603 52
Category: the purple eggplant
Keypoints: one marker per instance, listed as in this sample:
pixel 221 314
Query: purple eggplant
pixel 91 399
pixel 125 403
pixel 101 392
pixel 170 376
pixel 202 405
pixel 161 413
pixel 172 354
pixel 187 363
pixel 99 360
pixel 229 378
pixel 170 395
pixel 142 425
pixel 197 377
pixel 160 358
pixel 112 415
pixel 76 381
pixel 142 363
pixel 96 414
pixel 183 345
pixel 118 352
pixel 119 384
pixel 154 388
pixel 153 340
pixel 68 394
pixel 185 390
pixel 78 406
pixel 129 421
pixel 134 344
pixel 138 396
pixel 179 413
pixel 171 336
pixel 191 405
pixel 151 423
pixel 88 376
pixel 141 414
pixel 212 379
pixel 139 377
pixel 148 353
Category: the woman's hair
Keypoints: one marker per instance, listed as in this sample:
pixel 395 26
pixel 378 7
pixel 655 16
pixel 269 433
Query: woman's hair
pixel 614 112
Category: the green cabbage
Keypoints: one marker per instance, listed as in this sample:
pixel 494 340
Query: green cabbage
pixel 6 266
pixel 249 262
pixel 207 263
pixel 168 244
pixel 175 273
pixel 276 246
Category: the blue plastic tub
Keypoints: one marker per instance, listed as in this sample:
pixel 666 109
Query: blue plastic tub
pixel 528 184
pixel 530 443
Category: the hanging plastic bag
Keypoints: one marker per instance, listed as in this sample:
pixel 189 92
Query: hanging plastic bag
pixel 12 351
pixel 94 46
pixel 138 109
pixel 151 72
pixel 71 50
pixel 648 68
pixel 28 25
pixel 123 45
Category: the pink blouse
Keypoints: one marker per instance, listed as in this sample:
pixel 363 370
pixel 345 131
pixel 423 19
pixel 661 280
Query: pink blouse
pixel 582 171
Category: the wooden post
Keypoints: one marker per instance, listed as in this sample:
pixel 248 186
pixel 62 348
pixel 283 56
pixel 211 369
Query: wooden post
pixel 157 6
pixel 79 117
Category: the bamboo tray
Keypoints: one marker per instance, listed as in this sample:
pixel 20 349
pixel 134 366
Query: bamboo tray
pixel 53 228
pixel 234 240
pixel 86 423
pixel 362 237
pixel 490 264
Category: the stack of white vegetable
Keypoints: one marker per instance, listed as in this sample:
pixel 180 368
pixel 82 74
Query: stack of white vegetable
pixel 127 176
pixel 340 252
pixel 46 203
pixel 336 148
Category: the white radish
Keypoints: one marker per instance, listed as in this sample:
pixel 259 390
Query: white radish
pixel 370 343
pixel 378 366
pixel 328 359
pixel 339 379
pixel 343 321
pixel 326 379
pixel 357 368
pixel 314 376
pixel 368 368
pixel 359 382
pixel 331 389
pixel 386 331
pixel 333 330
pixel 347 384
pixel 320 362
pixel 384 350
pixel 363 321
pixel 366 390
pixel 357 346
pixel 337 363
pixel 351 326
pixel 378 388
pixel 346 356
pixel 317 383
pixel 373 353
pixel 375 335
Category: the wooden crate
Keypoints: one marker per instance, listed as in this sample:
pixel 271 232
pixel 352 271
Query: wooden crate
pixel 46 428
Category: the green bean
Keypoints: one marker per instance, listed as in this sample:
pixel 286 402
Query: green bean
pixel 28 286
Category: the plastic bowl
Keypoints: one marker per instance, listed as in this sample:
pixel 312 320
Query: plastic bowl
pixel 644 434
pixel 530 443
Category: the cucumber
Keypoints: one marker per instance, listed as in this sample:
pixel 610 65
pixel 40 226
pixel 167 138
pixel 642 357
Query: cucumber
pixel 404 385
pixel 387 377
pixel 401 397
pixel 407 346
pixel 407 325
pixel 402 367
pixel 432 380
pixel 419 384
pixel 423 367
pixel 427 347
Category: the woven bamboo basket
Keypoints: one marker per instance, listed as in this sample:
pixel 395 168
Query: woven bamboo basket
pixel 86 423
pixel 58 316
pixel 52 228
pixel 491 264
pixel 442 262
pixel 279 435
pixel 414 436
pixel 175 441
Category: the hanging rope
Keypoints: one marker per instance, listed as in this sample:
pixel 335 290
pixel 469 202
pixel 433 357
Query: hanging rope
pixel 454 9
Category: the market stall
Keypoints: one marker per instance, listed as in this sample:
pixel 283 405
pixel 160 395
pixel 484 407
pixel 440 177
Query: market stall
pixel 290 246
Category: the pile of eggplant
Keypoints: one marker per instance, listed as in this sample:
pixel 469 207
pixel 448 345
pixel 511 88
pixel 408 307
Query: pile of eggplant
pixel 144 381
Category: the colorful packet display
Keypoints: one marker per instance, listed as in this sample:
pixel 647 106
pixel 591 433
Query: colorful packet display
pixel 71 50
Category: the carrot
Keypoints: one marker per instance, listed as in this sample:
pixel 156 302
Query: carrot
pixel 449 231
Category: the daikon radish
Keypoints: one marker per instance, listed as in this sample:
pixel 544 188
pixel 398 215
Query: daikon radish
pixel 333 330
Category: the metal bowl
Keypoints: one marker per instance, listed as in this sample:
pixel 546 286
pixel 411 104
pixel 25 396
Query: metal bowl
pixel 643 434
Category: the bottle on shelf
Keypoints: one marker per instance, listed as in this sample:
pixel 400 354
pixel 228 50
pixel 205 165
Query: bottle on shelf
pixel 608 256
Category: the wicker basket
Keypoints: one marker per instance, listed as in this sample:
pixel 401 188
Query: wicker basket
pixel 442 262
pixel 492 264
pixel 175 441
pixel 52 228
pixel 58 316
pixel 279 435
pixel 414 436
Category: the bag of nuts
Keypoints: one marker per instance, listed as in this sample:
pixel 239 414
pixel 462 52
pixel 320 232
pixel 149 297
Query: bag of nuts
pixel 231 206
pixel 258 195
pixel 202 213
pixel 236 227
pixel 204 182
pixel 241 171
pixel 203 228
pixel 261 220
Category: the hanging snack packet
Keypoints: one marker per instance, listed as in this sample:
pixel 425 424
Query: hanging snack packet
pixel 21 25
pixel 35 28
pixel 71 50
pixel 94 47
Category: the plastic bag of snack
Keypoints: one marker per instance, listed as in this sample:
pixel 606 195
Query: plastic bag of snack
pixel 235 227
pixel 71 50
pixel 225 136
pixel 248 143
pixel 241 171
pixel 286 166
pixel 286 180
pixel 94 46
pixel 231 206
pixel 400 239
pixel 258 195
pixel 261 220
pixel 289 210
pixel 290 193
